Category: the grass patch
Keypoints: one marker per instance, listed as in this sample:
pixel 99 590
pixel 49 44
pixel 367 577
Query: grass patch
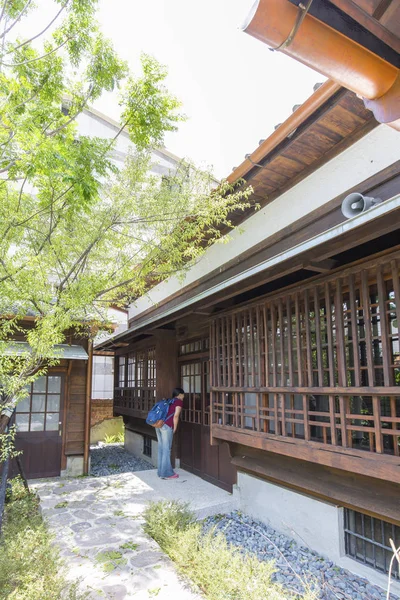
pixel 110 560
pixel 129 546
pixel 114 439
pixel 61 505
pixel 219 570
pixel 30 566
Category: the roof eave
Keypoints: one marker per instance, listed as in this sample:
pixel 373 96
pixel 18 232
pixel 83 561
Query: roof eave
pixel 306 110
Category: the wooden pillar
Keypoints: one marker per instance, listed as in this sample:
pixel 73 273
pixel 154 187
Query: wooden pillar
pixel 167 377
pixel 167 374
pixel 87 409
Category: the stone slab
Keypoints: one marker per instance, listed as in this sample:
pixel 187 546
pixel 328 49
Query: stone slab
pixel 96 519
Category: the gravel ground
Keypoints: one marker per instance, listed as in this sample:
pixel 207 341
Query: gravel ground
pixel 110 459
pixel 295 563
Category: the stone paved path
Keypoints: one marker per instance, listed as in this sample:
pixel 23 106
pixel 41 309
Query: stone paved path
pixel 97 523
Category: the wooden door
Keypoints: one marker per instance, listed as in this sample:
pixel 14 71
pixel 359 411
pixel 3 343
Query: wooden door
pixel 211 463
pixel 39 419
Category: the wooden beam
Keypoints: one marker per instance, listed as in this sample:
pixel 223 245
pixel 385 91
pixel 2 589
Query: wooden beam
pixel 381 9
pixel 321 266
pixel 315 391
pixel 378 499
pixel 370 22
pixel 379 466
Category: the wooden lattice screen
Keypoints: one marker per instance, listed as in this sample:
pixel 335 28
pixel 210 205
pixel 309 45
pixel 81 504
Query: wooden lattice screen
pixel 195 380
pixel 318 362
pixel 136 389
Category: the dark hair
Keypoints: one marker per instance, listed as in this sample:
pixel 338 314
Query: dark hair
pixel 177 391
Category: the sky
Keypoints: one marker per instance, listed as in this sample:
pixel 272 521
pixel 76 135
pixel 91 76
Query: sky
pixel 233 88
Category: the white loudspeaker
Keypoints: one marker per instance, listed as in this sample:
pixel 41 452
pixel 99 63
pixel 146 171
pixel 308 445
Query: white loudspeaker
pixel 355 203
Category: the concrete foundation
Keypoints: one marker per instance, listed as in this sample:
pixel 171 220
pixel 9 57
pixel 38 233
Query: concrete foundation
pixel 310 522
pixel 74 466
pixel 134 445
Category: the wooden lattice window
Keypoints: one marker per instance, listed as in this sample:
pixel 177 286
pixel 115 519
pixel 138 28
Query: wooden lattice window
pixel 147 445
pixel 319 362
pixel 41 409
pixel 367 541
pixel 193 346
pixel 121 371
pixel 196 383
pixel 137 381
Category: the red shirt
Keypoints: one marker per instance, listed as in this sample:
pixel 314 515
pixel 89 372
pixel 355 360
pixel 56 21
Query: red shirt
pixel 171 411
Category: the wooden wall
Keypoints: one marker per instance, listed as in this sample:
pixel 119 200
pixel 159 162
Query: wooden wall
pixel 75 384
pixel 74 423
pixel 167 367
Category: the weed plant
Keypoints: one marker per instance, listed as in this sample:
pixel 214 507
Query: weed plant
pixel 30 566
pixel 117 438
pixel 219 570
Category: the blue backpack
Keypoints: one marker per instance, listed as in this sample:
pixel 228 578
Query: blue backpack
pixel 158 414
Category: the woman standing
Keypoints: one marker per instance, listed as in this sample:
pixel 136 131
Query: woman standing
pixel 165 436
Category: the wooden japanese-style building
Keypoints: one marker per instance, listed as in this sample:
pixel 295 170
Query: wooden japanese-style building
pixel 286 339
pixel 53 421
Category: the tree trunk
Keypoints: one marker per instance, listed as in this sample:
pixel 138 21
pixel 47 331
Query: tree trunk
pixel 4 420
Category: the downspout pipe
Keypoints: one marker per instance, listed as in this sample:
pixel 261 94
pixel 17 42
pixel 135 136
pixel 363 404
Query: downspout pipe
pixel 329 52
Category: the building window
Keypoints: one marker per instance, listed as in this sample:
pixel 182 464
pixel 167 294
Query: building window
pixel 103 378
pixel 147 445
pixel 196 385
pixel 136 378
pixel 193 346
pixel 121 371
pixel 367 541
pixel 40 410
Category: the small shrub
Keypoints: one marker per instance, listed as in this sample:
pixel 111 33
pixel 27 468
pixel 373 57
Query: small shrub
pixel 165 519
pixel 30 567
pixel 218 569
pixel 114 439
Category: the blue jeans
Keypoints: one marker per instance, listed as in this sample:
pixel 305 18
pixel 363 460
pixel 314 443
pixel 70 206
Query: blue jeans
pixel 165 435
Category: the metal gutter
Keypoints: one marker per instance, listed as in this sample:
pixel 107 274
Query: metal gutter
pixel 377 211
pixel 329 52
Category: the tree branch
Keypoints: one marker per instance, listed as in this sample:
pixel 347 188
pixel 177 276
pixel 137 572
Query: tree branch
pixel 83 255
pixel 21 191
pixel 41 33
pixel 82 106
pixel 32 60
pixel 3 9
pixel 15 20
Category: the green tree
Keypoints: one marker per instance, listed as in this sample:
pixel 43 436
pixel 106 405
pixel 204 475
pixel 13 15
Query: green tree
pixel 75 235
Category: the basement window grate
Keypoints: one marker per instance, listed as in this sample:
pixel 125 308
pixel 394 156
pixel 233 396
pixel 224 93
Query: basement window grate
pixel 367 541
pixel 147 445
